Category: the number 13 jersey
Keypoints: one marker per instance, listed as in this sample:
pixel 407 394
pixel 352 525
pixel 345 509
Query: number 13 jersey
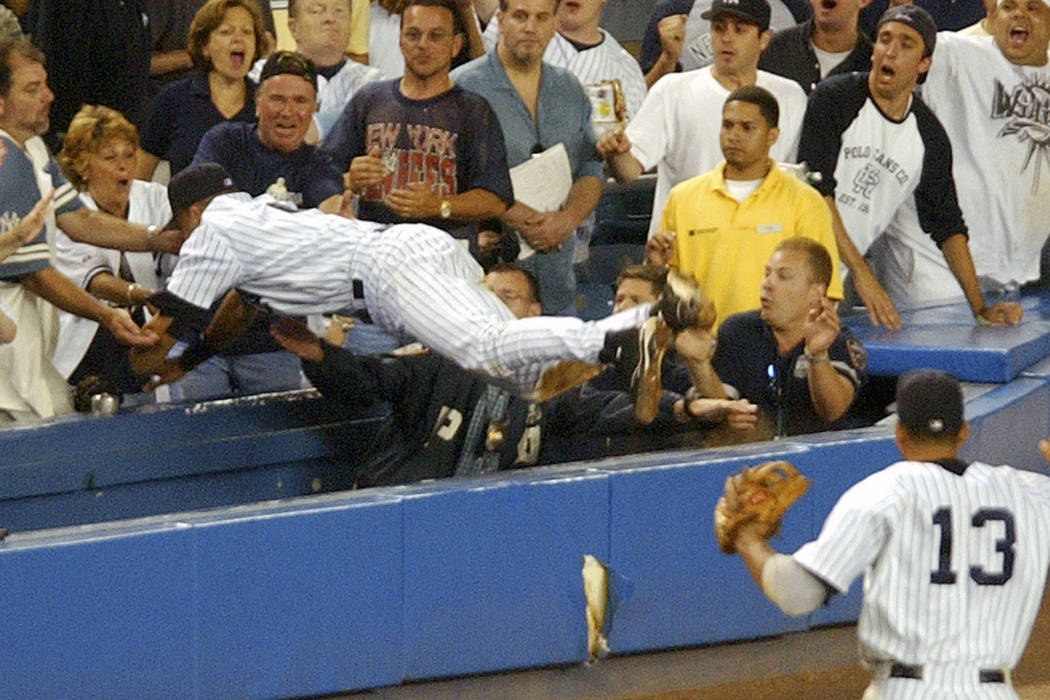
pixel 954 558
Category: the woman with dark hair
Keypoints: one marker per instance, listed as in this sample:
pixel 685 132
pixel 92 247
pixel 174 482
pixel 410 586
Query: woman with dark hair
pixel 226 36
pixel 98 158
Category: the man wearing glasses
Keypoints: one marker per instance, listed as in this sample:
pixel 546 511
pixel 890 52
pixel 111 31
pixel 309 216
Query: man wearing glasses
pixel 419 148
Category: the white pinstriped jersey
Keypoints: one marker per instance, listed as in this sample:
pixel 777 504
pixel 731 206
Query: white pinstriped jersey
pixel 415 279
pixel 606 61
pixel 954 566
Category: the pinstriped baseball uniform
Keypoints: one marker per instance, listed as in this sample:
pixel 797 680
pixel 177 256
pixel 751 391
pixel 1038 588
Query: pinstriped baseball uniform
pixel 416 279
pixel 954 558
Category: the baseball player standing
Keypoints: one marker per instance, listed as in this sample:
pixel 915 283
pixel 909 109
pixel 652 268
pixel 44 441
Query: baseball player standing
pixel 954 557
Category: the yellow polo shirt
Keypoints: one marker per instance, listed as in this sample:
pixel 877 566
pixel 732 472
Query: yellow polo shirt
pixel 725 244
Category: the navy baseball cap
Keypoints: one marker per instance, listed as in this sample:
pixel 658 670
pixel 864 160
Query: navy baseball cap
pixel 289 63
pixel 754 11
pixel 930 403
pixel 916 18
pixel 198 182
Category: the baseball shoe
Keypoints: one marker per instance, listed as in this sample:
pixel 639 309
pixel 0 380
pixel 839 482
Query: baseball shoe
pixel 682 305
pixel 638 354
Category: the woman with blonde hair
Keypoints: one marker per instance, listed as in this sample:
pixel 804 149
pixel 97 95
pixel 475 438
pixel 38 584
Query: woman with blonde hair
pixel 225 38
pixel 98 157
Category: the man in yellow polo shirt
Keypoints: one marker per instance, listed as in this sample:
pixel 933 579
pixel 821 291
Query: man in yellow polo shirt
pixel 722 226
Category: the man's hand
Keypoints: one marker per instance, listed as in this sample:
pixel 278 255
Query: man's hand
pixel 28 228
pixel 881 311
pixel 1044 449
pixel 366 171
pixel 739 414
pixel 659 248
pixel 416 201
pixel 297 339
pixel 672 35
pixel 1001 313
pixel 820 328
pixel 547 230
pixel 168 241
pixel 119 323
pixel 695 345
pixel 613 142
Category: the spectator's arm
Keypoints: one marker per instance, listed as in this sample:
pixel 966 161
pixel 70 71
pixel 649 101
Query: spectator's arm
pixel 145 164
pixel 830 392
pixel 475 46
pixel 419 201
pixel 671 30
pixel 956 252
pixel 615 148
pixel 98 228
pixel 164 62
pixel 8 329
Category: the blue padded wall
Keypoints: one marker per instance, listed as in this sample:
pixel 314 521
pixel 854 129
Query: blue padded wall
pixel 682 589
pixel 100 616
pixel 493 570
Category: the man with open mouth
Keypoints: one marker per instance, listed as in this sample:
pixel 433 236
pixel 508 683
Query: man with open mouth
pixel 886 167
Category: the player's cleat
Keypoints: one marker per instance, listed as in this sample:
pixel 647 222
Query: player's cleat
pixel 682 305
pixel 561 377
pixel 639 354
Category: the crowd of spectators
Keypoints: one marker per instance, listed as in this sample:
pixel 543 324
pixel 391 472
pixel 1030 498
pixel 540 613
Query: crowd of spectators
pixel 465 115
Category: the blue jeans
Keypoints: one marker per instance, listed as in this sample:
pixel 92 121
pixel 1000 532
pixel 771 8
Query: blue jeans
pixel 236 375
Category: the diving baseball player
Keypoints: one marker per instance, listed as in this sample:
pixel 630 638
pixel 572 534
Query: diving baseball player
pixel 954 556
pixel 411 278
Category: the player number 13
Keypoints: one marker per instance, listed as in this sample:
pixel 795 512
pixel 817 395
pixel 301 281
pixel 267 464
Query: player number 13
pixel 1005 546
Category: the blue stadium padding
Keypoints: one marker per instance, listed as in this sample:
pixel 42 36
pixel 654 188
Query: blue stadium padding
pixel 493 570
pixel 947 338
pixel 175 457
pixel 1007 422
pixel 685 591
pixel 99 615
pixel 833 462
pixel 302 599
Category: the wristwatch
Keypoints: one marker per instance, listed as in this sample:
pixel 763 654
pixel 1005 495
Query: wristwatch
pixel 446 209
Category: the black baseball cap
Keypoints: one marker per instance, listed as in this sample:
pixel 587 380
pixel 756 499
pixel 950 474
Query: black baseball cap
pixel 929 403
pixel 753 11
pixel 916 18
pixel 195 183
pixel 289 63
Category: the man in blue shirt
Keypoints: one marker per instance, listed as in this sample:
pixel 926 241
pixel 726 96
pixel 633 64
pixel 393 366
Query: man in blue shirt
pixel 271 155
pixel 539 106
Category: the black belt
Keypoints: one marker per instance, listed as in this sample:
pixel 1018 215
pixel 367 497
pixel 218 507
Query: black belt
pixel 984 675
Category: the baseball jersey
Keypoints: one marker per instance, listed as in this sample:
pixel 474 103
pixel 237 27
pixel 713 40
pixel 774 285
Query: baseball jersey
pixel 80 262
pixel 607 60
pixel 412 278
pixel 954 558
pixel 677 128
pixel 996 117
pixel 872 164
pixel 28 380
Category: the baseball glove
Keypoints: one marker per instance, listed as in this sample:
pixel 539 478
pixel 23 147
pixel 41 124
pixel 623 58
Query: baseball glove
pixel 761 494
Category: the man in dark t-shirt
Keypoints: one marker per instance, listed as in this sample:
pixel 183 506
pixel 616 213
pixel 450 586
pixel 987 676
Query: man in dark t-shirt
pixel 420 148
pixel 271 155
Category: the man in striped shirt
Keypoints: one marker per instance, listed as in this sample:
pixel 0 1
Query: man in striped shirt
pixel 954 557
pixel 410 278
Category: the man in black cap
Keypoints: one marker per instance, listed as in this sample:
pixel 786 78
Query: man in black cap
pixel 886 167
pixel 271 155
pixel 954 556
